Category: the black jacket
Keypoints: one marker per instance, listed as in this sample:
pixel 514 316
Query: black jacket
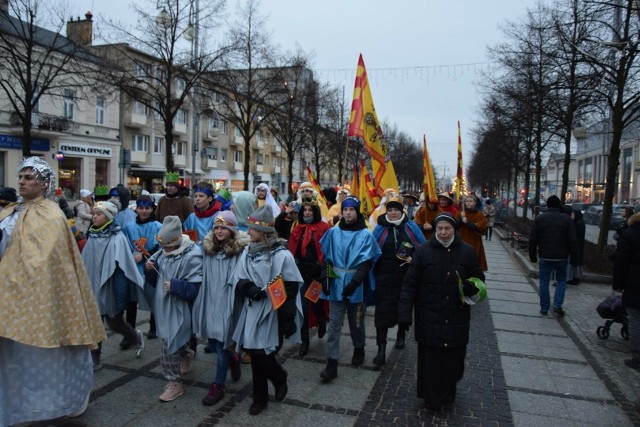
pixel 553 236
pixel 431 287
pixel 626 267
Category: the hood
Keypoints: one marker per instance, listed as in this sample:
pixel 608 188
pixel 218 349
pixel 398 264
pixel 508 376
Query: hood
pixel 634 219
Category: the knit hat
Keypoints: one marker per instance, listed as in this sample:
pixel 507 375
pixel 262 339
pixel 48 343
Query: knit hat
pixel 553 202
pixel 395 201
pixel 351 202
pixel 262 219
pixel 171 232
pixel 85 193
pixel 107 208
pixel 445 216
pixel 226 219
pixel 8 195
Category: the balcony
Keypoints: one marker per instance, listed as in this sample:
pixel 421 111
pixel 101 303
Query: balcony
pixel 179 128
pixel 211 163
pixel 44 122
pixel 235 166
pixel 138 156
pixel 180 160
pixel 136 120
pixel 239 140
pixel 259 168
pixel 277 148
pixel 259 145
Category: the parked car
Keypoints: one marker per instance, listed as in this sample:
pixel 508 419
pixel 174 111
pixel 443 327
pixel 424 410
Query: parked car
pixel 582 206
pixel 593 214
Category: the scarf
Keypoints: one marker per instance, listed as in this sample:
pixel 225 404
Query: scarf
pixel 211 210
pixel 184 245
pixel 396 222
pixel 151 218
pixel 308 232
pixel 447 244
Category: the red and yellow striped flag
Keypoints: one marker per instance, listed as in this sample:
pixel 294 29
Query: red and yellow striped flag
pixel 364 124
pixel 316 186
pixel 429 182
pixel 368 197
pixel 459 180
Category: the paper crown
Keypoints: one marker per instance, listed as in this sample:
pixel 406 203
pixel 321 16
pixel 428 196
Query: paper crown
pixel 172 177
pixel 101 190
pixel 310 200
pixel 225 194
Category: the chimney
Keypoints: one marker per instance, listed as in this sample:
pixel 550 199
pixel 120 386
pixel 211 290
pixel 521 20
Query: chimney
pixel 80 31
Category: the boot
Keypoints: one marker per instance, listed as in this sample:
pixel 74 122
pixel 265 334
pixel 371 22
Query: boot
pixel 215 395
pixel 358 357
pixel 322 327
pixel 330 371
pixel 400 338
pixel 304 348
pixel 95 358
pixel 381 357
pixel 234 365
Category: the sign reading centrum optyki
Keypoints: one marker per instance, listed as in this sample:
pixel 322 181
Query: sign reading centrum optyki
pixel 84 150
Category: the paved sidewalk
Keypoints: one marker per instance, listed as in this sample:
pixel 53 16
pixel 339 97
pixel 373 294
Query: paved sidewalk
pixel 521 370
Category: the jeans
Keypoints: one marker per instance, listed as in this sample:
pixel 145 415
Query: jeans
pixel 224 357
pixel 634 332
pixel 560 268
pixel 355 314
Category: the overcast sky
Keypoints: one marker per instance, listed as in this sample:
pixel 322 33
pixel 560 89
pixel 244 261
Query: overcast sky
pixel 422 56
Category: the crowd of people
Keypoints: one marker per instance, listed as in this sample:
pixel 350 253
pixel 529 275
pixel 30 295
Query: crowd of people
pixel 241 270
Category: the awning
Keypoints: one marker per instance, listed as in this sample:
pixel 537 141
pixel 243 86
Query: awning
pixel 187 171
pixel 147 171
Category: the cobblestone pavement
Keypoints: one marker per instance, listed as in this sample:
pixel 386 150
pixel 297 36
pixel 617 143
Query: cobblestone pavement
pixel 521 370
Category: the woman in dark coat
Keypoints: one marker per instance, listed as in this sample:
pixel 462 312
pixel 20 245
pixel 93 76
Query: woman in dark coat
pixel 442 318
pixel 626 271
pixel 576 262
pixel 397 236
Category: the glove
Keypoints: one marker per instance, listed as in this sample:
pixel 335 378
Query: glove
pixel 256 294
pixel 403 326
pixel 349 289
pixel 469 289
pixel 288 327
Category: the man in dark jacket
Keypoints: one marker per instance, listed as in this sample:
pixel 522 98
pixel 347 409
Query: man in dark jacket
pixel 626 272
pixel 553 240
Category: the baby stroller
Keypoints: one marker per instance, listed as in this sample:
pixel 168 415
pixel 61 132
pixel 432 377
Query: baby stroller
pixel 613 310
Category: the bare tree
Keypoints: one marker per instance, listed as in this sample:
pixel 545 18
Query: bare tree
pixel 612 50
pixel 38 61
pixel 164 57
pixel 252 81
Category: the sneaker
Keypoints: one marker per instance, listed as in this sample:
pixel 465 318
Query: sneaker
pixel 246 358
pixel 633 364
pixel 139 344
pixel 215 395
pixel 234 366
pixel 558 311
pixel 256 408
pixel 543 312
pixel 172 390
pixel 185 362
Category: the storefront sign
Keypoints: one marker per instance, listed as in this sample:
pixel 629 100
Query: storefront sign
pixel 13 141
pixel 84 150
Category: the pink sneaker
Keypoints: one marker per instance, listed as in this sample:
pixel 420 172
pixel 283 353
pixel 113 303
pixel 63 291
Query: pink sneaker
pixel 172 391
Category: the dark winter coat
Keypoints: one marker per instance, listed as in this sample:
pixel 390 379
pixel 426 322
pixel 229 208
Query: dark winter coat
pixel 430 286
pixel 626 269
pixel 578 223
pixel 553 236
pixel 389 271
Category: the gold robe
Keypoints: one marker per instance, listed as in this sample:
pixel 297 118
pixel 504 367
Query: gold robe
pixel 45 295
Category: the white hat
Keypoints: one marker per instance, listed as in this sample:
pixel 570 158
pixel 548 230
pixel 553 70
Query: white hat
pixel 107 208
pixel 85 193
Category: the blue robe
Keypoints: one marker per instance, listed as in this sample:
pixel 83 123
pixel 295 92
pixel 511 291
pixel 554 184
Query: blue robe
pixel 202 225
pixel 344 250
pixel 149 231
pixel 125 217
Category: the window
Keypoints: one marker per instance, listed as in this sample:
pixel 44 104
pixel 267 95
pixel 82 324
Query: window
pixel 213 122
pixel 180 84
pixel 258 136
pixel 237 156
pixel 224 127
pixel 69 96
pixel 156 109
pixel 139 108
pixel 181 117
pixel 212 153
pixel 100 105
pixel 160 75
pixel 140 69
pixel 276 161
pixel 36 94
pixel 158 144
pixel 236 132
pixel 181 148
pixel 266 159
pixel 139 143
pixel 259 159
pixel 223 154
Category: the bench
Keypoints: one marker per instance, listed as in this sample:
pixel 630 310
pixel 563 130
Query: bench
pixel 519 240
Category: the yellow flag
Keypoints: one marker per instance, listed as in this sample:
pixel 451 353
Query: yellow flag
pixel 369 200
pixel 364 124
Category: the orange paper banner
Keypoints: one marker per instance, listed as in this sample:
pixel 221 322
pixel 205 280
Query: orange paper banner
pixel 313 292
pixel 276 292
pixel 193 235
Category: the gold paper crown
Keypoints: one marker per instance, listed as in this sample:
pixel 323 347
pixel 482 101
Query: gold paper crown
pixel 395 198
pixel 101 190
pixel 311 200
pixel 172 177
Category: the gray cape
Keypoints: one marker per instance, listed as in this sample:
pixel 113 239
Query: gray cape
pixel 101 254
pixel 257 326
pixel 173 314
